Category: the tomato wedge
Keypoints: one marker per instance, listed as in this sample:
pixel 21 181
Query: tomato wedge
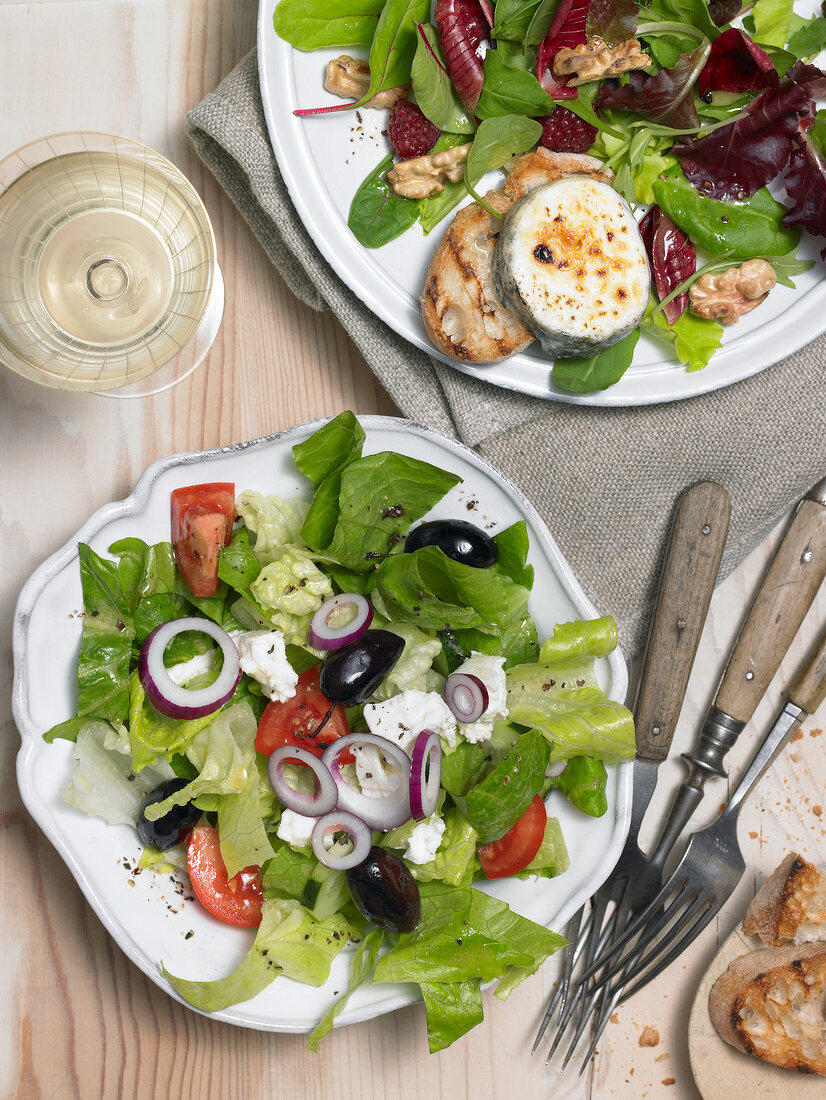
pixel 296 721
pixel 202 519
pixel 513 852
pixel 236 900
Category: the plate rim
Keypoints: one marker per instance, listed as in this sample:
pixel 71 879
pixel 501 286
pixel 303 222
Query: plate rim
pixel 65 557
pixel 741 358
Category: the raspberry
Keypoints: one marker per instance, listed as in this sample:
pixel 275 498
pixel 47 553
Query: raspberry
pixel 409 132
pixel 565 132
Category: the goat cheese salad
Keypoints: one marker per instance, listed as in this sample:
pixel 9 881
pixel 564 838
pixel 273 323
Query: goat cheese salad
pixel 696 108
pixel 335 719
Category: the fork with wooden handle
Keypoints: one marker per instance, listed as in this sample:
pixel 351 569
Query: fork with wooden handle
pixel 692 559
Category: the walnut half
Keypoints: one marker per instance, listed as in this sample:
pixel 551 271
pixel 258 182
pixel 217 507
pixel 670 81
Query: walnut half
pixel 349 78
pixel 595 59
pixel 421 177
pixel 733 292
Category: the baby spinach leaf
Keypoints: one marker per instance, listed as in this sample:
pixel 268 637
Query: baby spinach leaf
pixel 377 214
pixel 599 371
pixel 513 18
pixel 316 24
pixel 510 91
pixel 433 88
pixel 497 141
pixel 746 229
pixel 394 44
pixel 541 21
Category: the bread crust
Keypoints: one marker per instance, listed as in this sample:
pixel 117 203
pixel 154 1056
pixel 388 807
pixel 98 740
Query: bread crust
pixel 790 907
pixel 768 1004
pixel 462 313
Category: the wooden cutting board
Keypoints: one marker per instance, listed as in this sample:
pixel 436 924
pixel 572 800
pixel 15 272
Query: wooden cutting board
pixel 720 1071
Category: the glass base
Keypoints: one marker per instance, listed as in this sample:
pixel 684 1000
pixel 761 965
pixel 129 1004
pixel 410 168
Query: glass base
pixel 189 358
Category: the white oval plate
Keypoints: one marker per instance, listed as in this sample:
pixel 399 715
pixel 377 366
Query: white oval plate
pixel 323 159
pixel 146 913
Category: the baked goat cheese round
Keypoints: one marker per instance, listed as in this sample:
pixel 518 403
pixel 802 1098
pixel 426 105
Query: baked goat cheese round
pixel 571 264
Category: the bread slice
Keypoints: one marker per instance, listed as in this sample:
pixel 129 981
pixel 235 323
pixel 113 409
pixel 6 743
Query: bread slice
pixel 462 312
pixel 790 907
pixel 769 1003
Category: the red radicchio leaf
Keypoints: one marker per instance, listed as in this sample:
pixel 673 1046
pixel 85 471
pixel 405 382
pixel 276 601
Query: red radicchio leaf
pixel 463 27
pixel 672 257
pixel 723 11
pixel 736 64
pixel 735 161
pixel 566 31
pixel 667 97
pixel 806 184
pixel 613 20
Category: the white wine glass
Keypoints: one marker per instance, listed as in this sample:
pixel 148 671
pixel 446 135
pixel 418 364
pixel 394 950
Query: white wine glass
pixel 109 281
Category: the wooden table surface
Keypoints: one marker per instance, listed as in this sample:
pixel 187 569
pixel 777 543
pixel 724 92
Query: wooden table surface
pixel 79 1020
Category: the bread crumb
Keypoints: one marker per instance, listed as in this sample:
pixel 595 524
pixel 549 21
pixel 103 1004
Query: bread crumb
pixel 615 1017
pixel 752 834
pixel 662 1057
pixel 669 1081
pixel 798 733
pixel 649 1036
pixel 817 809
pixel 815 733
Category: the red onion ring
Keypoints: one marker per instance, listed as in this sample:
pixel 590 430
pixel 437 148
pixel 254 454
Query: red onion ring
pixel 467 696
pixel 424 790
pixel 310 805
pixel 379 813
pixel 170 698
pixel 323 636
pixel 340 821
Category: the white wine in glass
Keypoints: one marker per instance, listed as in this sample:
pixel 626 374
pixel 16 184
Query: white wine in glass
pixel 107 265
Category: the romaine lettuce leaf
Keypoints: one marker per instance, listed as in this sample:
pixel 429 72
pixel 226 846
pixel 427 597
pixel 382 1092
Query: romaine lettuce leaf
pixel 103 781
pixel 552 859
pixel 381 496
pixel 583 783
pixel 495 804
pixel 453 856
pixel 152 734
pixel 413 669
pixel 290 589
pixel 322 458
pixel 241 829
pixel 289 941
pixel 275 522
pixel 361 967
pixel 452 1008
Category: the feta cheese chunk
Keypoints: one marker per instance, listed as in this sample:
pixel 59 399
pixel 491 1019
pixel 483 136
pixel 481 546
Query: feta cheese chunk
pixel 185 671
pixel 295 828
pixel 377 777
pixel 264 657
pixel 403 717
pixel 491 672
pixel 423 843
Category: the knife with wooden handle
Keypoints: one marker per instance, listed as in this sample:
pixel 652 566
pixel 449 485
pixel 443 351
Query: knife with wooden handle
pixel 786 592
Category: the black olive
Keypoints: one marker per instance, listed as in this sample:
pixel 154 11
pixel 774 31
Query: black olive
pixel 385 892
pixel 457 539
pixel 166 830
pixel 351 674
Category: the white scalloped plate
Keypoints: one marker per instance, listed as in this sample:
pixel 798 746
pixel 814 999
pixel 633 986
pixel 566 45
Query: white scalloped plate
pixel 146 913
pixel 323 159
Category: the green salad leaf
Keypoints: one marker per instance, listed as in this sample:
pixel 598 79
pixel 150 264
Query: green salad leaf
pixel 583 784
pixel 317 24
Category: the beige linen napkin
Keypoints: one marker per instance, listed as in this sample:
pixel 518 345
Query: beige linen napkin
pixel 606 481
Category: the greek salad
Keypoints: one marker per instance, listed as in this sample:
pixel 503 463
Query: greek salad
pixel 335 719
pixel 697 108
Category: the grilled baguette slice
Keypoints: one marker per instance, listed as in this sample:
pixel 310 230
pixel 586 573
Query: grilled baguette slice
pixel 769 1004
pixel 462 312
pixel 790 907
